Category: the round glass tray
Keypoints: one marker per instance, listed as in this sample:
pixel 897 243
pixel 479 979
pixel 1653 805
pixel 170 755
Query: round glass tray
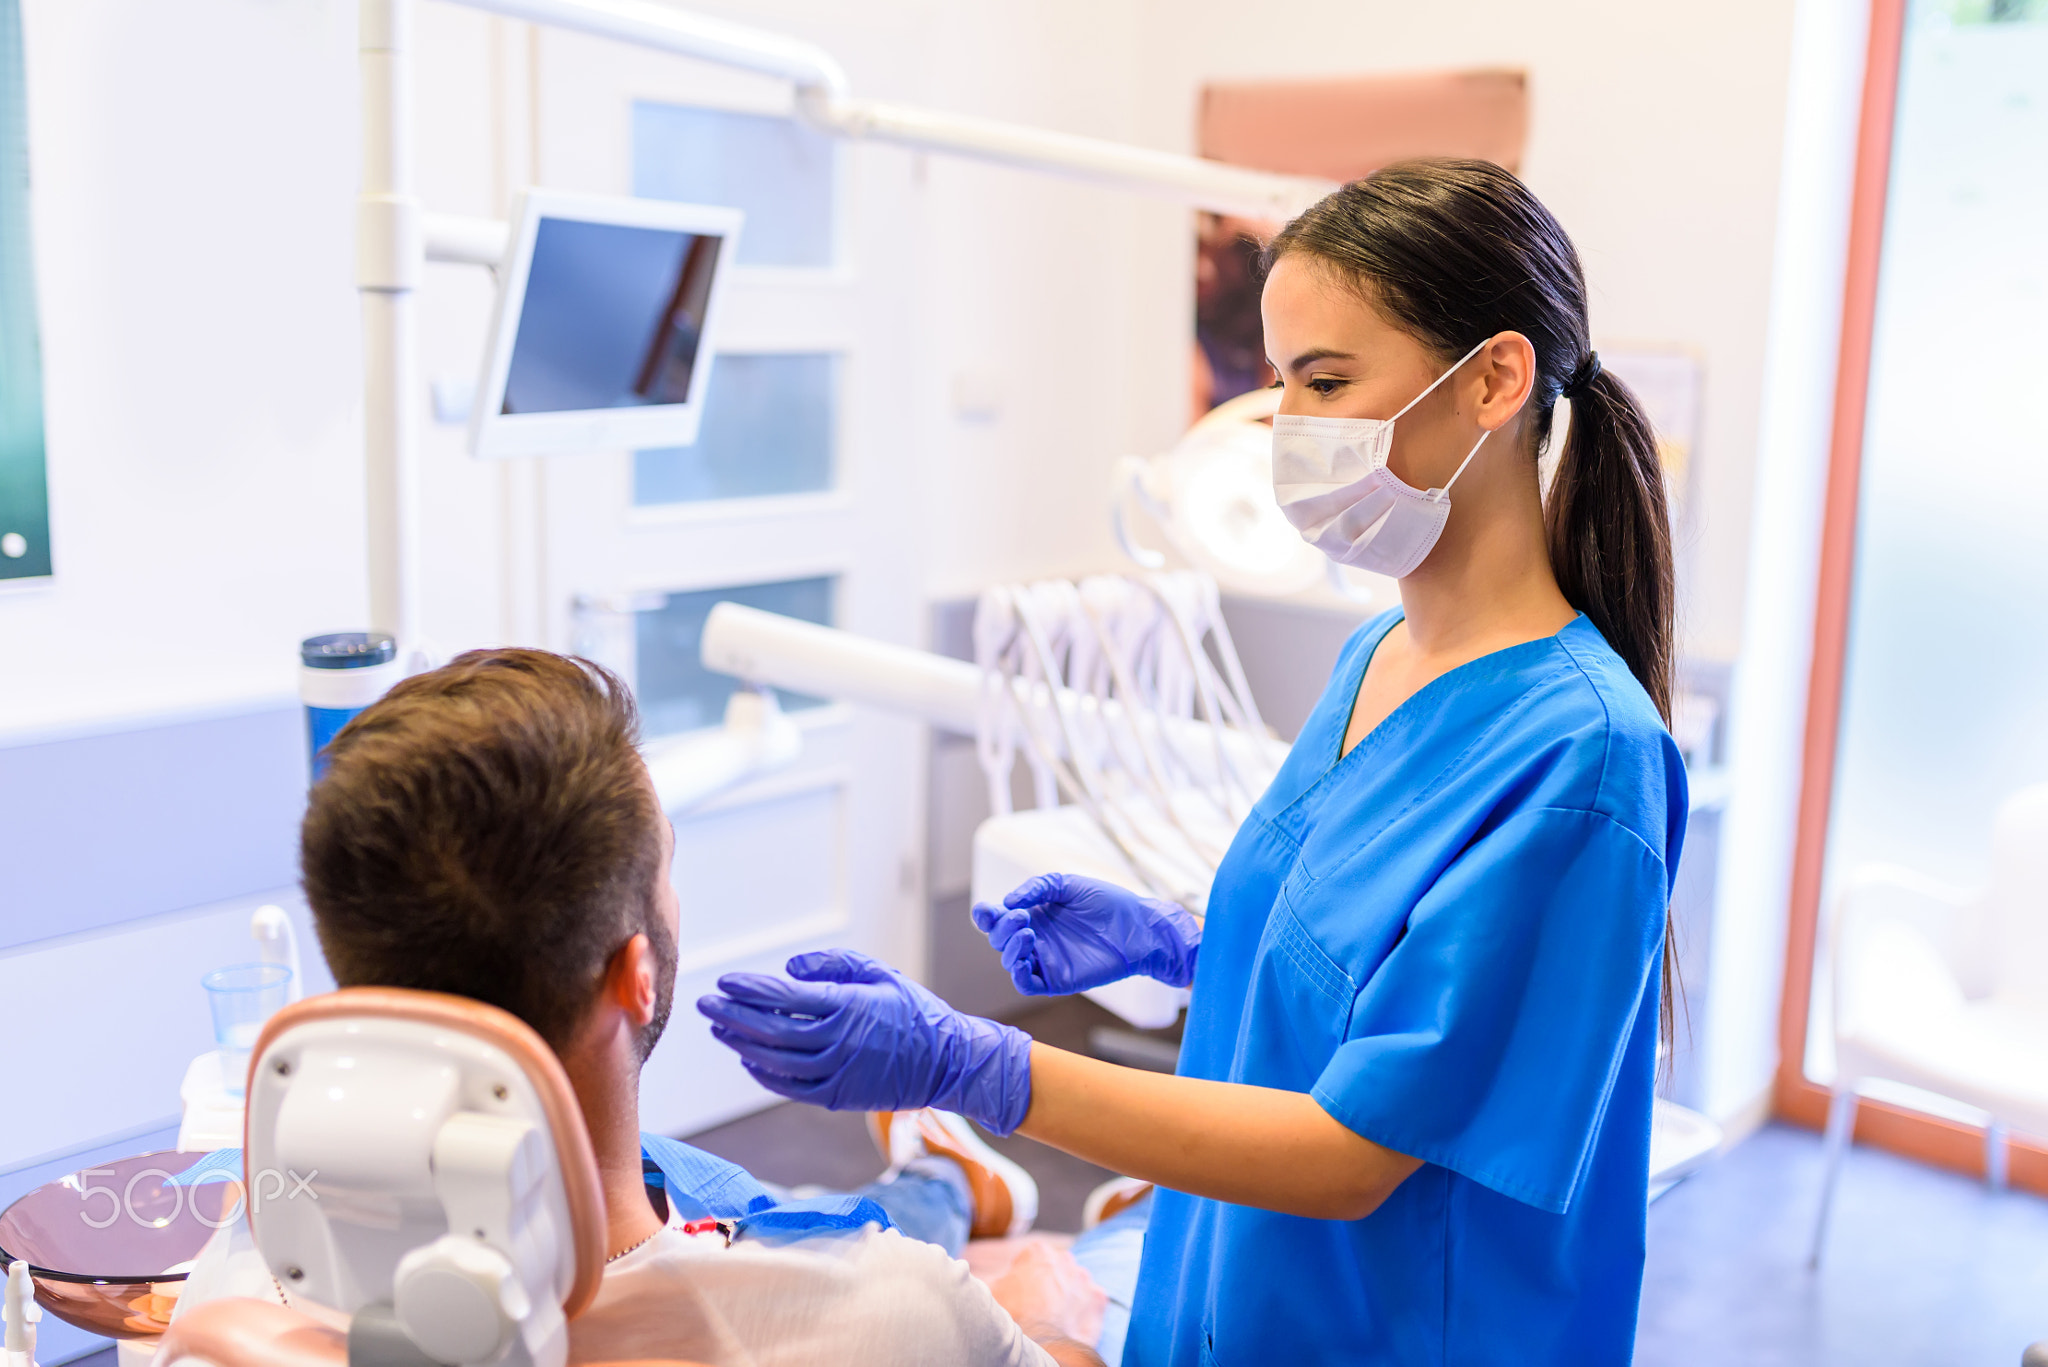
pixel 109 1247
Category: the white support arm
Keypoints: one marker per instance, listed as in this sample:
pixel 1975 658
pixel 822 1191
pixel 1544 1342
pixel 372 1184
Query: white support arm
pixel 1196 181
pixel 823 100
pixel 389 251
pixel 770 649
pixel 466 241
pixel 646 24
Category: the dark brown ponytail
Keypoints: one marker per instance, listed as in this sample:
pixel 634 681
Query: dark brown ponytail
pixel 1610 532
pixel 1453 252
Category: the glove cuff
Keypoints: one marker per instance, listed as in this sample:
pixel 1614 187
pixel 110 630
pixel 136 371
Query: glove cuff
pixel 1178 938
pixel 995 1090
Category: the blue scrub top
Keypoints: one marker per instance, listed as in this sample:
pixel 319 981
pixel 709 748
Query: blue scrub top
pixel 1451 937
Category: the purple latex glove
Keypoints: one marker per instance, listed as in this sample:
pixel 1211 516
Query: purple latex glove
pixel 1062 933
pixel 853 1034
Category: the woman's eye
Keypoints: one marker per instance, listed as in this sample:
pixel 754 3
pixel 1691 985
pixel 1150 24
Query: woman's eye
pixel 1325 387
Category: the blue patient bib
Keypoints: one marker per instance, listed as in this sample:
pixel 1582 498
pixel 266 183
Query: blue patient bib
pixel 700 1185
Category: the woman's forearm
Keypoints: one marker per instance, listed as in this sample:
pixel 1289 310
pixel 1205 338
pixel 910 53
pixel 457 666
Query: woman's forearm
pixel 1252 1146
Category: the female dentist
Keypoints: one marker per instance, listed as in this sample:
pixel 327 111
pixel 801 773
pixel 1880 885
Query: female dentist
pixel 1412 1119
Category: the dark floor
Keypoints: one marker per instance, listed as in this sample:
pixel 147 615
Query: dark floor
pixel 1923 1268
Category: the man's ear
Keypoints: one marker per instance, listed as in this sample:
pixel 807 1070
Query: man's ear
pixel 630 981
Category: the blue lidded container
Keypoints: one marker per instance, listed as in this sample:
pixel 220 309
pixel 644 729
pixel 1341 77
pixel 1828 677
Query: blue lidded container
pixel 340 674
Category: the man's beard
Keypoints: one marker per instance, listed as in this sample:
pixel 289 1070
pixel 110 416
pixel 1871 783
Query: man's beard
pixel 664 946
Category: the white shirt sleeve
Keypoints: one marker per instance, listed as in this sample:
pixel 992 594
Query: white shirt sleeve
pixel 872 1297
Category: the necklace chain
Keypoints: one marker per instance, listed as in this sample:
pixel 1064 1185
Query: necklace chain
pixel 624 1251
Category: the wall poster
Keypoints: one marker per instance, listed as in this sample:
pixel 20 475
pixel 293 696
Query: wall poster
pixel 1339 129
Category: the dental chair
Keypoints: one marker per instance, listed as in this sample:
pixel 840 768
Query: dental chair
pixel 420 1186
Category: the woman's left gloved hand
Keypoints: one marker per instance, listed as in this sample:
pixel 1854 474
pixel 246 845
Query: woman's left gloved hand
pixel 853 1034
pixel 1060 933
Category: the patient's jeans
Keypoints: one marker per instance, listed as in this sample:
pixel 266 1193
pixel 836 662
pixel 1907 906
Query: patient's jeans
pixel 1110 1252
pixel 928 1200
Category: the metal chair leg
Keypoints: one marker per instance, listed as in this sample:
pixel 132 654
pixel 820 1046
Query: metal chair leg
pixel 1841 1124
pixel 1996 1155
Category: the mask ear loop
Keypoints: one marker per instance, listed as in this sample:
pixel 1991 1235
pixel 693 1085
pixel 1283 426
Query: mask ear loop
pixel 1439 495
pixel 1437 381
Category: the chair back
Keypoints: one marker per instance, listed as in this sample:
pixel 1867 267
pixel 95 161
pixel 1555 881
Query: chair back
pixel 417 1162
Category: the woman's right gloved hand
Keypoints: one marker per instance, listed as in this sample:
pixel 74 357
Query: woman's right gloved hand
pixel 850 1033
pixel 1062 933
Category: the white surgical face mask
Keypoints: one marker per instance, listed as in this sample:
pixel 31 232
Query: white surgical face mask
pixel 1332 480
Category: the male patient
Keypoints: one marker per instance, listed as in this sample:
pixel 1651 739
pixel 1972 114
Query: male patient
pixel 489 830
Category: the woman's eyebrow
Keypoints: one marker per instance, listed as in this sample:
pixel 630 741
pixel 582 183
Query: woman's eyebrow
pixel 1321 353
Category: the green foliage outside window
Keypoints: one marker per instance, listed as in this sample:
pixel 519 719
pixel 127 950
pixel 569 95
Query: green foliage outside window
pixel 1990 11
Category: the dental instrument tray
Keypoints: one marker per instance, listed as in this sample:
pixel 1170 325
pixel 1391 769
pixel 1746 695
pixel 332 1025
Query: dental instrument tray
pixel 109 1246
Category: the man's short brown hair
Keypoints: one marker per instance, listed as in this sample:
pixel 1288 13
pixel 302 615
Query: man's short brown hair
pixel 488 829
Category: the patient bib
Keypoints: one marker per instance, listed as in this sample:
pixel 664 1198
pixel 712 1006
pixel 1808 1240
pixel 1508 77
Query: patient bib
pixel 700 1186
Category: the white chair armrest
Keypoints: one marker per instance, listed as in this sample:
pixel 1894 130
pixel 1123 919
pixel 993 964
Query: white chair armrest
pixel 1891 891
pixel 1873 894
pixel 1868 877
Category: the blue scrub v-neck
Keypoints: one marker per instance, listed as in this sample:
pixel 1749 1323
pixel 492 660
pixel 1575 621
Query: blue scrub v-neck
pixel 1449 937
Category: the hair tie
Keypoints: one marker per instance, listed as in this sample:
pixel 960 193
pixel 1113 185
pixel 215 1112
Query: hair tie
pixel 1582 378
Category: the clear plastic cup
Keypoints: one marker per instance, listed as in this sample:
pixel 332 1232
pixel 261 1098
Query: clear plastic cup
pixel 243 996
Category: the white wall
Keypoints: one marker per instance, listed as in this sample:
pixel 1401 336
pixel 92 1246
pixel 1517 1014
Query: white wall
pixel 192 235
pixel 104 996
pixel 1768 710
pixel 1031 294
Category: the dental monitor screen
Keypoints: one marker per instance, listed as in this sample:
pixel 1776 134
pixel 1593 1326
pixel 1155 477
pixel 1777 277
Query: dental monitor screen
pixel 607 311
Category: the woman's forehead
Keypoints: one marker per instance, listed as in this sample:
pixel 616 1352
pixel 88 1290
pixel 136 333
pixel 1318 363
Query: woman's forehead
pixel 1309 306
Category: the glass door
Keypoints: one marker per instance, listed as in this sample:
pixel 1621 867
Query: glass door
pixel 1943 629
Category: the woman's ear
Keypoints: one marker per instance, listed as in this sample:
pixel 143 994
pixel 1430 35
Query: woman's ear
pixel 1507 376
